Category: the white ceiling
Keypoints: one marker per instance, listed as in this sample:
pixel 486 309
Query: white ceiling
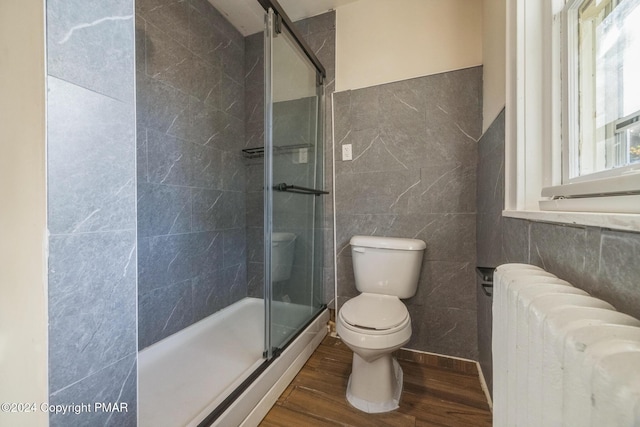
pixel 248 16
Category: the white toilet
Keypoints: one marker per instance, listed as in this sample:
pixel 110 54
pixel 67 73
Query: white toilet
pixel 376 322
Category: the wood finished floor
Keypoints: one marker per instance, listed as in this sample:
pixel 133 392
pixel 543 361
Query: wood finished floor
pixel 437 392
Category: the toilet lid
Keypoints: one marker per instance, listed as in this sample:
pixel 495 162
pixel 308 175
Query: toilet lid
pixel 374 311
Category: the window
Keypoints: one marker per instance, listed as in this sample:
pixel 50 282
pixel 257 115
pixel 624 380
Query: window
pixel 601 124
pixel 607 46
pixel 573 112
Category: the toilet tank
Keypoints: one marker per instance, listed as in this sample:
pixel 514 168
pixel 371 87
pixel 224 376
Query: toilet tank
pixel 387 265
pixel 283 250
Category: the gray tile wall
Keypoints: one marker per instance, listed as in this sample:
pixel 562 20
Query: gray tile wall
pixel 191 176
pixel 92 212
pixel 489 225
pixel 254 137
pixel 413 175
pixel 602 262
pixel 319 32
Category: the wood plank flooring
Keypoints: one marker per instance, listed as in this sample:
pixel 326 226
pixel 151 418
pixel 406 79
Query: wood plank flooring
pixel 437 391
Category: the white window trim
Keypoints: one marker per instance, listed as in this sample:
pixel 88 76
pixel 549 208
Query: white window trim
pixel 533 130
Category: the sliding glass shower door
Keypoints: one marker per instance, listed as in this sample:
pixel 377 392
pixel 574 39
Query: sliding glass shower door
pixel 293 186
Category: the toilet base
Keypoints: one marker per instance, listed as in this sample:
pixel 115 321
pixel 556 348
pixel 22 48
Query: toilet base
pixel 375 386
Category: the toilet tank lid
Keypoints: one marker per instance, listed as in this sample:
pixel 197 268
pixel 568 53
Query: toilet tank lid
pixel 388 243
pixel 282 236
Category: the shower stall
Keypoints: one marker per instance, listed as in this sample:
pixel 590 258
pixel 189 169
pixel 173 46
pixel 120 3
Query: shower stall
pixel 230 213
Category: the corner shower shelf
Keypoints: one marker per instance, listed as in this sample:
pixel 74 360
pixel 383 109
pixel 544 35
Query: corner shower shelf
pixel 254 153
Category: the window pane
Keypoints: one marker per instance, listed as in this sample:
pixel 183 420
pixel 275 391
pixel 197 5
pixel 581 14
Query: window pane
pixel 609 86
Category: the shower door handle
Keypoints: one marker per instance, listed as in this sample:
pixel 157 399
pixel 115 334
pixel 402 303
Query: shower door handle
pixel 300 190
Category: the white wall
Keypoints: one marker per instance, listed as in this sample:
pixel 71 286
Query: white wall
pixel 382 41
pixel 23 309
pixel 494 54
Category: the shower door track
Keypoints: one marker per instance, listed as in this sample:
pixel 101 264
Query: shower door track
pixel 235 394
pixel 279 11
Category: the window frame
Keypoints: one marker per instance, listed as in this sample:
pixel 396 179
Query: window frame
pixel 534 133
pixel 570 60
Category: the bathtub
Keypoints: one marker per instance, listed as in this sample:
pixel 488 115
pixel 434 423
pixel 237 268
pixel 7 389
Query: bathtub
pixel 184 377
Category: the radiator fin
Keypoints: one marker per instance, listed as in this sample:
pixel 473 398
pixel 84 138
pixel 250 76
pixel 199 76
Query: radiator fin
pixel 560 356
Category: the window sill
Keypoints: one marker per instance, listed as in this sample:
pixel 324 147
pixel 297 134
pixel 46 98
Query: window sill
pixel 624 222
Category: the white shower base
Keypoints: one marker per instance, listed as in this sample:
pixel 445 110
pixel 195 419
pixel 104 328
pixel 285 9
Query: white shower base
pixel 182 378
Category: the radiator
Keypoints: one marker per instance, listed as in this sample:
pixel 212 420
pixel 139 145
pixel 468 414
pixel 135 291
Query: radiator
pixel 560 356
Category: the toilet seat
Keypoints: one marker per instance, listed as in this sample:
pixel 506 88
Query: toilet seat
pixel 374 314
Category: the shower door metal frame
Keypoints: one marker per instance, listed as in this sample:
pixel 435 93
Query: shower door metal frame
pixel 268 177
pixel 275 17
pixel 283 18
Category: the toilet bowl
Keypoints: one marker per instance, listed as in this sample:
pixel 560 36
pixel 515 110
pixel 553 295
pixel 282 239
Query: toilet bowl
pixel 376 323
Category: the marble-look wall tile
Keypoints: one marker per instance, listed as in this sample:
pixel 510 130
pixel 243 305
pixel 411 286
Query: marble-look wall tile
pixel 91 177
pixel 234 204
pixel 319 23
pixel 323 44
pixel 491 167
pixel 233 171
pixel 207 167
pixel 255 246
pixel 170 15
pixel 207 210
pixel 209 292
pixel 164 311
pixel 597 260
pixel 191 210
pixel 163 209
pixel 498 240
pixel 618 271
pixel 320 32
pixel 142 169
pixel 490 195
pixel 445 284
pixel 255 279
pixel 158 105
pixel 216 19
pixel 235 278
pixel 91 44
pixel 163 260
pixel 600 261
pixel 91 303
pixel 115 383
pixel 169 61
pixel 450 331
pixel 515 240
pixel 234 247
pixel 548 248
pixel 91 161
pixel 445 291
pixel 413 175
pixel 206 251
pixel 169 159
pixel 489 231
pixel 446 188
